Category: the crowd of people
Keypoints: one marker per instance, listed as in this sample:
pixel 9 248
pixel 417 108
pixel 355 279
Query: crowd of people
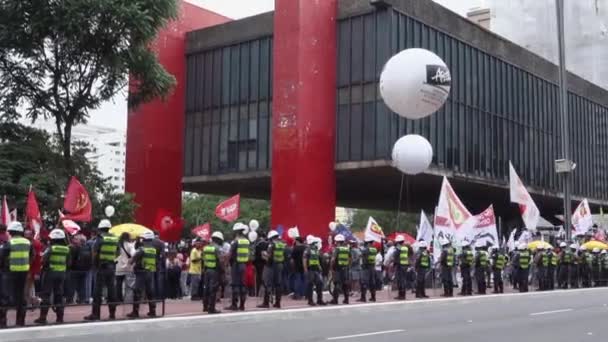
pixel 142 269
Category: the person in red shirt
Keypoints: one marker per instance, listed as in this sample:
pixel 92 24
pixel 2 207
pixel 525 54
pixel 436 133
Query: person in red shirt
pixel 35 268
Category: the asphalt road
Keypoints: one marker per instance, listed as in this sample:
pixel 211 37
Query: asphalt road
pixel 574 315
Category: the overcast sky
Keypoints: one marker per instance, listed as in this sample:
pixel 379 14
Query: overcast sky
pixel 114 113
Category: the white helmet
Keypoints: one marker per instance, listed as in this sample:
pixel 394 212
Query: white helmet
pixel 218 235
pixel 603 251
pixel 522 246
pixel 147 235
pixel 444 242
pixel 596 250
pixel 57 234
pixel 15 226
pixel 422 244
pixel 272 234
pixel 573 246
pixel 104 224
pixel 239 226
pixel 399 238
pixel 563 244
pixel 465 243
pixel 310 239
pixel 339 238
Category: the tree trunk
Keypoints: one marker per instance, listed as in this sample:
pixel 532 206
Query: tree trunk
pixel 66 144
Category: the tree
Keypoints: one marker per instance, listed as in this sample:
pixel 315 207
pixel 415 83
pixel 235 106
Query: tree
pixel 61 59
pixel 199 209
pixel 387 220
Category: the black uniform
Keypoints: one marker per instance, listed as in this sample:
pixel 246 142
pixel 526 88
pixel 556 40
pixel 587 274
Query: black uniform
pixel 15 258
pixel 145 261
pixel 550 276
pixel 402 263
pixel 466 263
pixel 212 270
pixel 368 272
pixel 585 268
pixel 239 257
pixel 446 260
pixel 481 267
pixel 314 279
pixel 596 269
pixel 105 251
pixel 423 263
pixel 273 272
pixel 341 277
pixel 499 261
pixel 521 262
pixel 541 260
pixel 565 262
pixel 55 261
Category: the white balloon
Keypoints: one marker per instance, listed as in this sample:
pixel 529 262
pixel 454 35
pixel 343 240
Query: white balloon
pixel 412 154
pixel 109 211
pixel 415 83
pixel 254 225
pixel 252 236
pixel 332 226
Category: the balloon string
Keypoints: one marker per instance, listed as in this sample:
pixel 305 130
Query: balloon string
pixel 400 197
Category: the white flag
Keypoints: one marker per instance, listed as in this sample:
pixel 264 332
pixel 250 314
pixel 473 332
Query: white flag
pixel 519 194
pixel 425 230
pixel 511 241
pixel 373 230
pixel 485 230
pixel 582 220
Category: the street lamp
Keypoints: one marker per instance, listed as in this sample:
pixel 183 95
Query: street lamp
pixel 564 166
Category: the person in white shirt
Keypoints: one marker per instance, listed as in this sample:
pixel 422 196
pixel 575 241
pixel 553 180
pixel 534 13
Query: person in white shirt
pixel 125 278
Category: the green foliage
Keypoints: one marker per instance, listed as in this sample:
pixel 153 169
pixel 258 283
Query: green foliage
pixel 61 59
pixel 199 209
pixel 387 220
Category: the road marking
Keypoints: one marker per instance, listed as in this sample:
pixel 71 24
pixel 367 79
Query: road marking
pixel 366 334
pixel 549 312
pixel 203 317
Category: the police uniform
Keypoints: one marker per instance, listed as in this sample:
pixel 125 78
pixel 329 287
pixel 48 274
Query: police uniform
pixel 604 268
pixel 586 265
pixel 595 269
pixel 565 262
pixel 314 278
pixel 273 271
pixel 145 261
pixel 105 251
pixel 550 276
pixel 15 255
pixel 239 257
pixel 402 263
pixel 423 263
pixel 542 263
pixel 467 259
pixel 341 263
pixel 212 269
pixel 499 260
pixel 368 272
pixel 446 261
pixel 55 260
pixel 481 266
pixel 522 264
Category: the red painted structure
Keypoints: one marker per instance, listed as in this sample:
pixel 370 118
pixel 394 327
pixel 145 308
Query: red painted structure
pixel 155 133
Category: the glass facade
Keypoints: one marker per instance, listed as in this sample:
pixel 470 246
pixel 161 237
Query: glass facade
pixel 496 111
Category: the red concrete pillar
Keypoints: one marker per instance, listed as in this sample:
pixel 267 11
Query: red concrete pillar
pixel 304 115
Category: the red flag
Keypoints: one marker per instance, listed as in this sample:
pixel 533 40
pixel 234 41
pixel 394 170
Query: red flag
pixel 229 210
pixel 77 204
pixel 203 232
pixel 168 226
pixel 32 214
pixel 5 215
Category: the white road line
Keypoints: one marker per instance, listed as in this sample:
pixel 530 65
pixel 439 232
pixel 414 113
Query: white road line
pixel 366 334
pixel 549 312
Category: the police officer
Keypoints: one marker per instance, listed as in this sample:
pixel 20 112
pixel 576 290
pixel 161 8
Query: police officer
pixel 104 253
pixel 595 267
pixel 145 267
pixel 423 263
pixel 273 270
pixel 522 264
pixel 402 262
pixel 541 260
pixel 239 257
pixel 585 261
pixel 212 268
pixel 466 263
pixel 340 264
pixel 55 261
pixel 481 266
pixel 604 267
pixel 446 260
pixel 15 257
pixel 573 270
pixel 368 271
pixel 553 262
pixel 565 261
pixel 499 260
pixel 312 269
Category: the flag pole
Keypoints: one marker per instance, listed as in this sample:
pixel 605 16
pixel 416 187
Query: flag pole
pixel 399 204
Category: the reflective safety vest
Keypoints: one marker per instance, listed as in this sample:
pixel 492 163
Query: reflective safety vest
pixel 19 257
pixel 343 256
pixel 404 259
pixel 59 258
pixel 109 246
pixel 589 259
pixel 483 259
pixel 567 257
pixel 467 257
pixel 553 258
pixel 545 259
pixel 450 257
pixel 371 257
pixel 278 252
pixel 149 259
pixel 242 251
pixel 425 260
pixel 210 257
pixel 313 258
pixel 500 262
pixel 604 261
pixel 524 260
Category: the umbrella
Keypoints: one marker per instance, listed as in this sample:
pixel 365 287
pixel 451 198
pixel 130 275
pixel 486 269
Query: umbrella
pixel 134 230
pixel 535 244
pixel 595 244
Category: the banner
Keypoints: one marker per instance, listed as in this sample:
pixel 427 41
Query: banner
pixel 229 210
pixel 485 230
pixel 5 215
pixel 203 231
pixel 32 214
pixel 77 204
pixel 373 230
pixel 519 194
pixel 582 220
pixel 425 230
pixel 452 218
